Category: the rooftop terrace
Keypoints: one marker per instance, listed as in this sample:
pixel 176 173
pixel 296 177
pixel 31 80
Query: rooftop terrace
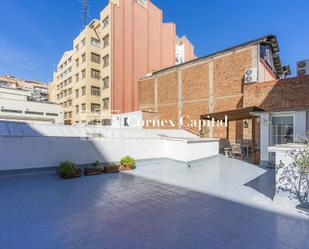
pixel 38 210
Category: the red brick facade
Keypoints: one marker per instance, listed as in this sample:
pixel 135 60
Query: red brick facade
pixel 216 84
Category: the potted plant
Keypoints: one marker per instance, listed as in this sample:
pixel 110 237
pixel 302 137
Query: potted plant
pixel 67 170
pixel 111 168
pixel 93 169
pixel 127 163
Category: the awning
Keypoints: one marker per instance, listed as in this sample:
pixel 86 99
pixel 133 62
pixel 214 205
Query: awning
pixel 233 115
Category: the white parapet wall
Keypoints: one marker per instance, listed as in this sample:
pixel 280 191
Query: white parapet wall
pixel 286 174
pixel 24 151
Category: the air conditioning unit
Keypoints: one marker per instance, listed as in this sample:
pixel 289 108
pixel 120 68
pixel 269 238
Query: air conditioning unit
pixel 251 75
pixel 303 68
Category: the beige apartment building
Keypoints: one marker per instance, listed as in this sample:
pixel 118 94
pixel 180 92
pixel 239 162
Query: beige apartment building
pixel 38 90
pixel 99 75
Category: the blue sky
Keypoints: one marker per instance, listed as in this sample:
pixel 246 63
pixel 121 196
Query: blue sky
pixel 34 34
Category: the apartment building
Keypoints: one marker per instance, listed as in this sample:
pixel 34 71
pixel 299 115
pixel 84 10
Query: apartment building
pixel 100 74
pixel 18 105
pixel 38 90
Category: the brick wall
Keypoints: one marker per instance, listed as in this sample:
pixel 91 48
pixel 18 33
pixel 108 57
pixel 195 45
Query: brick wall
pixel 284 94
pixel 215 84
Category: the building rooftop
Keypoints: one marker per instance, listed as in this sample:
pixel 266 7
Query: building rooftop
pixel 270 39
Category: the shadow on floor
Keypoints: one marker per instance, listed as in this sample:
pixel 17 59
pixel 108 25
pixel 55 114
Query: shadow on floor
pixel 264 184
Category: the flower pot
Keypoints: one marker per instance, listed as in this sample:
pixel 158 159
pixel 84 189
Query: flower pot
pixel 125 167
pixel 109 169
pixel 92 171
pixel 78 173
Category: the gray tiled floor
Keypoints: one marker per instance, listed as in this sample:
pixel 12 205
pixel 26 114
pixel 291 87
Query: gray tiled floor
pixel 39 211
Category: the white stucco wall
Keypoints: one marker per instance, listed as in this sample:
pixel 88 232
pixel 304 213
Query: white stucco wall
pixel 300 129
pixel 300 119
pixel 284 161
pixel 40 152
pixel 264 136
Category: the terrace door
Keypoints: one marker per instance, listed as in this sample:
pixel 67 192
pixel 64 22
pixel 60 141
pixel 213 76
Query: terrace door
pixel 282 132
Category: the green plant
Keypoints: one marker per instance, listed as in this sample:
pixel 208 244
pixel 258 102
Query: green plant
pixel 113 166
pixel 67 168
pixel 294 177
pixel 95 164
pixel 128 161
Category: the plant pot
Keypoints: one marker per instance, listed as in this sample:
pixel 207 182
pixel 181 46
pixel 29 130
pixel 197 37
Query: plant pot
pixel 125 168
pixel 77 173
pixel 108 169
pixel 92 171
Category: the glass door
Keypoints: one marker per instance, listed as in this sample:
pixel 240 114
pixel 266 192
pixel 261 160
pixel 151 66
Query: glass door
pixel 282 130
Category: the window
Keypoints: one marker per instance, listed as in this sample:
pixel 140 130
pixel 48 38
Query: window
pixel 11 110
pixel 83 91
pixel 106 61
pixel 83 42
pixel 70 59
pixel 70 102
pixel 76 93
pixel 65 93
pixel 76 77
pixel 70 80
pixel 77 62
pixel 65 83
pixel 84 74
pixel 65 104
pixel 70 91
pixel 69 69
pixel 125 121
pixel 65 115
pixel 106 83
pixel 76 109
pixel 106 122
pixel 52 114
pixel 95 107
pixel 105 22
pixel 34 113
pixel 70 115
pixel 95 42
pixel 83 107
pixel 83 57
pixel 282 130
pixel 105 41
pixel 106 104
pixel 95 74
pixel 95 91
pixel 77 47
pixel 95 58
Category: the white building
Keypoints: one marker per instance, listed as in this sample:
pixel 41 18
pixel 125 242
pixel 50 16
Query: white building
pixel 277 128
pixel 15 105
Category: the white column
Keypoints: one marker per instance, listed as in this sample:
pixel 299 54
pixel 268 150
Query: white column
pixel 300 124
pixel 264 137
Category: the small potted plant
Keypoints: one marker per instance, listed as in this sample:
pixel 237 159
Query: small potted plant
pixel 111 168
pixel 93 169
pixel 67 170
pixel 127 163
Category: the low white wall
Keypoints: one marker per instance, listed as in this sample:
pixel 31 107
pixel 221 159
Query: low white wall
pixel 190 150
pixel 40 152
pixel 283 164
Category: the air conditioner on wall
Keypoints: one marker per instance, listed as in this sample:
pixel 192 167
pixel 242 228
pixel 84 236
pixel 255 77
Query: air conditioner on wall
pixel 251 75
pixel 303 68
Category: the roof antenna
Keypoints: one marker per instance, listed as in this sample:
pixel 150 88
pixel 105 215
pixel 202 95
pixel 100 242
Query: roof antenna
pixel 85 11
